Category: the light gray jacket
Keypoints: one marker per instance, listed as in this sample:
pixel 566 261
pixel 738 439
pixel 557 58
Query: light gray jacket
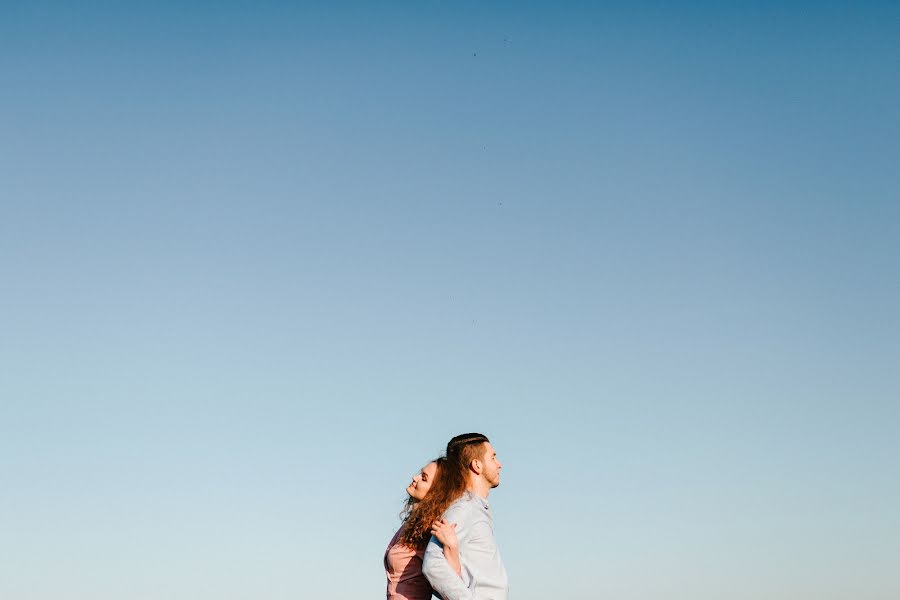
pixel 483 574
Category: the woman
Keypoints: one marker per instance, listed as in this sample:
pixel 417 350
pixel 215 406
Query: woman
pixel 403 557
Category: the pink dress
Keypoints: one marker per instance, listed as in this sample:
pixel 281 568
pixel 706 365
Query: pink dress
pixel 403 567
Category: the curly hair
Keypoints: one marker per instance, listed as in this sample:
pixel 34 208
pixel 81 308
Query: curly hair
pixel 449 484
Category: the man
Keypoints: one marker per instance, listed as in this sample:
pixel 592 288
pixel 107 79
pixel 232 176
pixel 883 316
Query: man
pixel 472 461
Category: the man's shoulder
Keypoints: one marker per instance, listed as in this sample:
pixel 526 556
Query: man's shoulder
pixel 464 505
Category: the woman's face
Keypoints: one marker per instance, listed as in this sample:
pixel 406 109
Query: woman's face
pixel 422 481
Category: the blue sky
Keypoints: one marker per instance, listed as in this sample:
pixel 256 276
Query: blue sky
pixel 260 261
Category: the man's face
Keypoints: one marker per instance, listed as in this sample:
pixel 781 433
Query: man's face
pixel 491 466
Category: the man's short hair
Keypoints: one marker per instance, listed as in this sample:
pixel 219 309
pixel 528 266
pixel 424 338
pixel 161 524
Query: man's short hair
pixel 465 439
pixel 465 448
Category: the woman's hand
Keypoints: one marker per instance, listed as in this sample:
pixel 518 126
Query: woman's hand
pixel 445 533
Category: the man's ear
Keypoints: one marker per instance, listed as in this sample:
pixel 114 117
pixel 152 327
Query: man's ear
pixel 476 466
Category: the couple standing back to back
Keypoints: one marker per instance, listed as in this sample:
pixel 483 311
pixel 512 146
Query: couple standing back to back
pixel 446 543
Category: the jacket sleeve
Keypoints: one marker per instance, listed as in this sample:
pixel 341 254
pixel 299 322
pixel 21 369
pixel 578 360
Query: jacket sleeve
pixel 437 570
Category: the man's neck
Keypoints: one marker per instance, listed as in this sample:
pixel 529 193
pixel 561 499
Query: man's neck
pixel 479 487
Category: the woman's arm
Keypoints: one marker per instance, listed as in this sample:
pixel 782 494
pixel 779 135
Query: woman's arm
pixel 446 534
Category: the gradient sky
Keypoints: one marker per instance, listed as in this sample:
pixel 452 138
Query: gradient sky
pixel 259 261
